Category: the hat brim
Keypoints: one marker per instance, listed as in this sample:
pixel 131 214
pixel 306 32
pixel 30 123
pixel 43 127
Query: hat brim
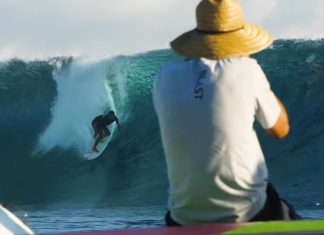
pixel 248 40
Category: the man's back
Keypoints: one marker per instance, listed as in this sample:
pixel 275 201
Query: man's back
pixel 206 111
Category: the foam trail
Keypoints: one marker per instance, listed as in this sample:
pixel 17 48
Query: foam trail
pixel 83 93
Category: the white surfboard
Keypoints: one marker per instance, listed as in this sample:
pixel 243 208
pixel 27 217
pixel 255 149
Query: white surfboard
pixel 90 155
pixel 11 225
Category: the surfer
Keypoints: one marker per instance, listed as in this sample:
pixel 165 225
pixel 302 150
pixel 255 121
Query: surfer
pixel 206 106
pixel 99 125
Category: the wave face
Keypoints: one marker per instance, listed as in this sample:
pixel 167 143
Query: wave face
pixel 47 106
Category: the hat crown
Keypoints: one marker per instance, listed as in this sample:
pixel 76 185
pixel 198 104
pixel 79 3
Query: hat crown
pixel 219 15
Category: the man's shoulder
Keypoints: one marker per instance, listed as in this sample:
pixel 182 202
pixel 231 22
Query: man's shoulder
pixel 244 61
pixel 176 65
pixel 243 65
pixel 185 63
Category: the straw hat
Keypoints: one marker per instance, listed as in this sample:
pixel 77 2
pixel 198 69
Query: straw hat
pixel 221 33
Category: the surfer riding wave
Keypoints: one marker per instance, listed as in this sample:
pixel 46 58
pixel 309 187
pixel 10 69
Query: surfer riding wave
pixel 99 125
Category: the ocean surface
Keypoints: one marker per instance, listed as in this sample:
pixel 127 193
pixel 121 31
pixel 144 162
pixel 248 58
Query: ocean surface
pixel 46 107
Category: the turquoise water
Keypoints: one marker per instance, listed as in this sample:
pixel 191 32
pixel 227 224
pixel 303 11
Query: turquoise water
pixel 46 108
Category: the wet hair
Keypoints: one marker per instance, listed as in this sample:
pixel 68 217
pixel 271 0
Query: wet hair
pixel 111 112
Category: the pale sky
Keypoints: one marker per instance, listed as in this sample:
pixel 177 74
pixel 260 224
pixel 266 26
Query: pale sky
pixel 45 28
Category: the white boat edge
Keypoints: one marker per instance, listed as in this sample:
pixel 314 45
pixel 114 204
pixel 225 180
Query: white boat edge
pixel 12 225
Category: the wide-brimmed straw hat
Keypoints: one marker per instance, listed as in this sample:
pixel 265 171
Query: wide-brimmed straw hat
pixel 221 33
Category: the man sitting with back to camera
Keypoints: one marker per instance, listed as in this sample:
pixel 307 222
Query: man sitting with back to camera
pixel 206 106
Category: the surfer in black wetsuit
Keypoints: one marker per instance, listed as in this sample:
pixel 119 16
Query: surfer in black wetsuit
pixel 100 124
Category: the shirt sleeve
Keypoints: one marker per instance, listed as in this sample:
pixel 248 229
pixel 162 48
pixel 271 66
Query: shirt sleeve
pixel 155 89
pixel 267 106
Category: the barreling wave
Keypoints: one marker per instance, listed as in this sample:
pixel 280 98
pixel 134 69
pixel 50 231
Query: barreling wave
pixel 47 106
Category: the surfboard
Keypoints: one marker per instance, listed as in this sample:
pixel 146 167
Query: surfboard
pixel 273 227
pixel 90 155
pixel 10 224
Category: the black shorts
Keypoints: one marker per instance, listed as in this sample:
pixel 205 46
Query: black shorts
pixel 272 209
